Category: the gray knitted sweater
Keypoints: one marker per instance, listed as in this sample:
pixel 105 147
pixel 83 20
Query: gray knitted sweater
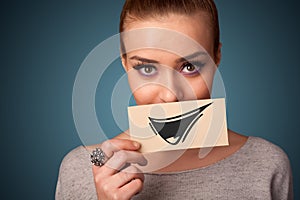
pixel 259 170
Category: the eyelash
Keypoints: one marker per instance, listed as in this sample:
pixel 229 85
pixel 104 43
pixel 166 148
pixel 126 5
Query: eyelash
pixel 198 65
pixel 139 67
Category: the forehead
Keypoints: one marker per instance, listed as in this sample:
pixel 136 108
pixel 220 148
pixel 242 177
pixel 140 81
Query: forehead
pixel 180 34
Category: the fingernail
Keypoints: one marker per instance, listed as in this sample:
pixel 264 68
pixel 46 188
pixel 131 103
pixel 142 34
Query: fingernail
pixel 136 144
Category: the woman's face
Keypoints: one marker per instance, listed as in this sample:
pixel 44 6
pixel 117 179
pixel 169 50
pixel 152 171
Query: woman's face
pixel 158 75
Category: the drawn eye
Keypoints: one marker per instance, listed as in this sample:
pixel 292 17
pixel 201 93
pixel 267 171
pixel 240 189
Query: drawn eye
pixel 146 70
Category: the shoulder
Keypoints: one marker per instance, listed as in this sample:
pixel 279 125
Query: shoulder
pixel 273 160
pixel 265 154
pixel 261 147
pixel 75 165
pixel 77 158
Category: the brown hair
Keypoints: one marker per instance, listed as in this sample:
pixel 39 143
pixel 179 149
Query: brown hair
pixel 145 9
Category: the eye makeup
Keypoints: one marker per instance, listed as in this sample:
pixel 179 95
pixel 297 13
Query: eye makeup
pixel 191 68
pixel 149 68
pixel 146 70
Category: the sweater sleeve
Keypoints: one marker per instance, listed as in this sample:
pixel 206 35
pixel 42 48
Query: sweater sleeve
pixel 282 181
pixel 58 192
pixel 75 179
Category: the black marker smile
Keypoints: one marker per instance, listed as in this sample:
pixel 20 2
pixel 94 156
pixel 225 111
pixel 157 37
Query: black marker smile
pixel 172 129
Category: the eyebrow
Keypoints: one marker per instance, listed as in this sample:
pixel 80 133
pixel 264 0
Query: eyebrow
pixel 188 57
pixel 191 56
pixel 146 60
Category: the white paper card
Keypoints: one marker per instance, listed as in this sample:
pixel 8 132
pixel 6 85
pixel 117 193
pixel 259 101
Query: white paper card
pixel 179 125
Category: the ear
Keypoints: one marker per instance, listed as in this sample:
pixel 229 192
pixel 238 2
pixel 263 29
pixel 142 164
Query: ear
pixel 218 55
pixel 124 61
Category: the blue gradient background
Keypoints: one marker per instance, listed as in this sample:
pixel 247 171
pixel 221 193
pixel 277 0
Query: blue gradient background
pixel 44 42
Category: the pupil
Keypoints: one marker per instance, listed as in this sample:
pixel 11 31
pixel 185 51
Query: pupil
pixel 190 68
pixel 148 69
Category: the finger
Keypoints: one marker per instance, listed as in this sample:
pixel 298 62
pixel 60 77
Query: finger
pixel 100 173
pixel 115 145
pixel 117 162
pixel 126 175
pixel 121 158
pixel 117 181
pixel 132 188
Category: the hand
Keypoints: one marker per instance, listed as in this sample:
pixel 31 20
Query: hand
pixel 117 178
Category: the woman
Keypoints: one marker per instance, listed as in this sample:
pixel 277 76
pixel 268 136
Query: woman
pixel 249 168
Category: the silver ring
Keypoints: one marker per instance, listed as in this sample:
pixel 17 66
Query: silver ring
pixel 98 157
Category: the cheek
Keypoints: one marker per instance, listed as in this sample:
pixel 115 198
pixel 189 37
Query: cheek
pixel 145 95
pixel 190 89
pixel 151 94
pixel 200 89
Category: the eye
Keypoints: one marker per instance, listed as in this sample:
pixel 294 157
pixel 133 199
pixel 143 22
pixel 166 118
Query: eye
pixel 190 69
pixel 146 70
